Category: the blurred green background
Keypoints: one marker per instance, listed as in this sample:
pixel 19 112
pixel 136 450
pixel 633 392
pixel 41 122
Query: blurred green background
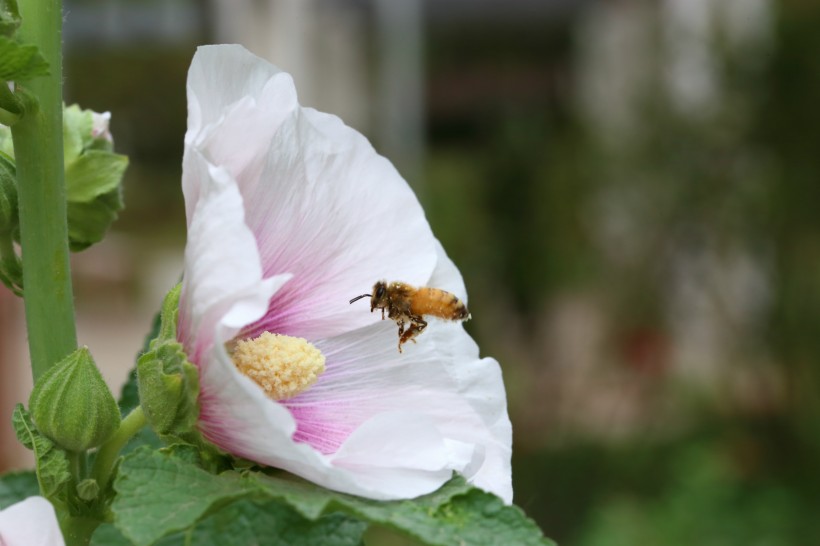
pixel 630 189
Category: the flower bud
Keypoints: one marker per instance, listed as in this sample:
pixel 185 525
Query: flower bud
pixel 93 175
pixel 72 405
pixel 88 489
pixel 169 387
pixel 168 383
pixel 101 137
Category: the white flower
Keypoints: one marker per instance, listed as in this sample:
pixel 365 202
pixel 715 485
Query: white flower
pixel 31 522
pixel 290 214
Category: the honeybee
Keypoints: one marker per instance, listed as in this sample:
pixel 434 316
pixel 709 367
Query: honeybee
pixel 407 304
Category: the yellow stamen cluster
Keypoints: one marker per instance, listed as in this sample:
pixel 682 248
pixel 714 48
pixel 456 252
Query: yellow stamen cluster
pixel 283 366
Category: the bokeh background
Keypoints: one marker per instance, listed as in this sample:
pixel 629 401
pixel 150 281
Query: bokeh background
pixel 631 191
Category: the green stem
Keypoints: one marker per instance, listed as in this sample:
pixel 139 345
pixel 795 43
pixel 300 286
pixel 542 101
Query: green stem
pixel 109 452
pixel 75 464
pixel 38 151
pixel 77 531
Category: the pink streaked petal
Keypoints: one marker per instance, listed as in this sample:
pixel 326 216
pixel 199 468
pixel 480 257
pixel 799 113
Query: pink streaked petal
pixel 303 175
pixel 296 196
pixel 223 276
pixel 338 176
pixel 236 415
pixel 439 378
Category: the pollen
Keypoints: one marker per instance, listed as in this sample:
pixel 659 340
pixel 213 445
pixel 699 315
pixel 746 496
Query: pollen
pixel 283 366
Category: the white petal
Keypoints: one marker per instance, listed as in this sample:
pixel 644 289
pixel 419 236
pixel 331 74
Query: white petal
pixel 440 378
pixel 31 522
pixel 238 416
pixel 480 382
pixel 223 277
pixel 229 73
pixel 322 204
pixel 399 425
pixel 275 190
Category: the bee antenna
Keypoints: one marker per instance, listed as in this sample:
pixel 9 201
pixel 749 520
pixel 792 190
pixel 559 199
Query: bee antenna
pixel 357 298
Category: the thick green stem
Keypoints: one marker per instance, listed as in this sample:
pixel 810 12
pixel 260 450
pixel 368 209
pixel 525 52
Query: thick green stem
pixel 77 531
pixel 38 151
pixel 109 452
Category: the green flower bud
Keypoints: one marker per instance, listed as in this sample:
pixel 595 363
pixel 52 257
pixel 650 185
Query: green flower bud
pixel 93 176
pixel 88 489
pixel 168 383
pixel 71 404
pixel 168 386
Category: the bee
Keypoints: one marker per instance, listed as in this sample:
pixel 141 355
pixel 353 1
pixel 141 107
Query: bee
pixel 408 305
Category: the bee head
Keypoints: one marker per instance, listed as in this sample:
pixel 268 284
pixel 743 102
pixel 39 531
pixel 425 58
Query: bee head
pixel 379 298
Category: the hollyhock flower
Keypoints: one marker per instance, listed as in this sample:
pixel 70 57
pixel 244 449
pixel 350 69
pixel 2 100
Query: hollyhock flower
pixel 290 214
pixel 31 522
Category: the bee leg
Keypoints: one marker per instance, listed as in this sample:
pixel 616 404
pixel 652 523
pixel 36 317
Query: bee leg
pixel 417 326
pixel 401 333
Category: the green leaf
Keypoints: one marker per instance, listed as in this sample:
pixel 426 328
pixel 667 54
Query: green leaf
pixel 455 514
pixel 77 127
pixel 11 267
pixel 6 142
pixel 9 220
pixel 246 522
pixel 173 495
pixel 11 107
pixel 153 487
pixel 50 462
pixel 92 174
pixel 17 486
pixel 88 222
pixel 20 62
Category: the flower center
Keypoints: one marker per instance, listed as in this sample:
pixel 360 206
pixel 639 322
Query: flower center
pixel 283 366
